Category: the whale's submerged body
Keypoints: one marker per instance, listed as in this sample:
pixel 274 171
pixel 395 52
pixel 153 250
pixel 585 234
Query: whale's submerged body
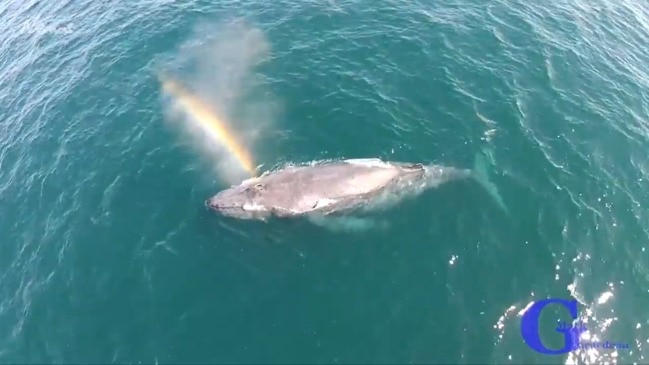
pixel 330 187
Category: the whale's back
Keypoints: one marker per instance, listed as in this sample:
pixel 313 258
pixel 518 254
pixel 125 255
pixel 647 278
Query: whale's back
pixel 307 188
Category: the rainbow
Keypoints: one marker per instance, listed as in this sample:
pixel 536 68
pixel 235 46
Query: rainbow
pixel 214 126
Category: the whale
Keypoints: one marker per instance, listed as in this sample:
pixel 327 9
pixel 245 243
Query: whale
pixel 333 188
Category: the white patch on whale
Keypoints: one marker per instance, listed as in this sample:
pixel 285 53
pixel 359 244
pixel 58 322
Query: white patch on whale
pixel 249 181
pixel 369 162
pixel 254 208
pixel 323 203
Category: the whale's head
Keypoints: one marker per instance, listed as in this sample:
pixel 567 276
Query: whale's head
pixel 241 201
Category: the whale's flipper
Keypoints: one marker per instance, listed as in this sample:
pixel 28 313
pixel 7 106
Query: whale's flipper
pixel 481 174
pixel 346 223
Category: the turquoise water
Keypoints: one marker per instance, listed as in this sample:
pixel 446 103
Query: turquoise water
pixel 107 253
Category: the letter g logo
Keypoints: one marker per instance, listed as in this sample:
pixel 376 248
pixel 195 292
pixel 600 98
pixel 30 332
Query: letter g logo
pixel 530 327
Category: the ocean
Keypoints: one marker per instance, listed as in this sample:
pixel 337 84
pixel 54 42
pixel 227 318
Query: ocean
pixel 109 255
